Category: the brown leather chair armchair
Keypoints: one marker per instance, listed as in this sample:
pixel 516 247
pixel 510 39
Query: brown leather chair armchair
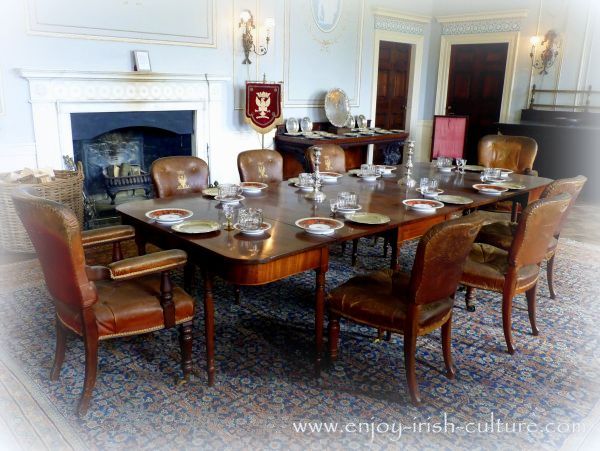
pixel 260 165
pixel 174 176
pixel 501 233
pixel 128 297
pixel 516 153
pixel 411 304
pixel 517 270
pixel 333 158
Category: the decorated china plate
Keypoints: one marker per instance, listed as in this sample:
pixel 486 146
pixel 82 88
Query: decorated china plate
pixel 386 169
pixel 196 226
pixel 303 187
pixel 445 168
pixel 253 187
pixel 368 218
pixel 264 227
pixel 319 225
pixel 369 178
pixel 494 190
pixel 169 215
pixel 423 205
pixel 456 200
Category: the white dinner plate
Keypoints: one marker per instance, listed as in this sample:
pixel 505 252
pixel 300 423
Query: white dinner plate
pixel 196 226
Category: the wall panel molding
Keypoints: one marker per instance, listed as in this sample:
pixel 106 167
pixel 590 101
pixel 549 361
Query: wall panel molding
pixel 193 22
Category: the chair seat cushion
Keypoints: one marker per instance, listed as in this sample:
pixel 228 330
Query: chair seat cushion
pixel 487 265
pixel 499 234
pixel 130 307
pixel 380 299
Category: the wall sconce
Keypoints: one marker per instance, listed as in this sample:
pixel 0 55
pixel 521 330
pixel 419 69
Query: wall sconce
pixel 549 52
pixel 247 23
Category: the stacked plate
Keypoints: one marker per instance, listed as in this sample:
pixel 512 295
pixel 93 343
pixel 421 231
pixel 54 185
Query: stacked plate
pixel 330 177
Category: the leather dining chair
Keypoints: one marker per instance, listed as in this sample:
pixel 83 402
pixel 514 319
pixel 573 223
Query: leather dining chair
pixel 128 297
pixel 501 233
pixel 516 153
pixel 516 270
pixel 333 158
pixel 410 304
pixel 174 176
pixel 260 165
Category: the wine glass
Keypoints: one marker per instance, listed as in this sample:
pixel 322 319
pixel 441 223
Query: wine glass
pixel 228 211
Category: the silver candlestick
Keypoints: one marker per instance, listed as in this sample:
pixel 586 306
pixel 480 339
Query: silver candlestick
pixel 316 194
pixel 408 180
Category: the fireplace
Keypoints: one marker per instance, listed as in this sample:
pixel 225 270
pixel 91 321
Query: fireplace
pixel 118 148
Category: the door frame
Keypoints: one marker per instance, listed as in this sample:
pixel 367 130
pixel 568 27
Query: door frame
pixel 414 78
pixel 511 38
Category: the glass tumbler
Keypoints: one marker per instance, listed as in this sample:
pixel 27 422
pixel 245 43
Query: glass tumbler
pixel 229 190
pixel 250 218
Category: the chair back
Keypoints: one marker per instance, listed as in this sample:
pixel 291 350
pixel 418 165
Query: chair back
pixel 174 176
pixel 573 186
pixel 537 226
pixel 516 153
pixel 440 258
pixel 333 158
pixel 260 165
pixel 54 231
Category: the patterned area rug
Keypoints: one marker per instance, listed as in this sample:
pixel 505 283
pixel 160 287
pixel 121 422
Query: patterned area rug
pixel 266 396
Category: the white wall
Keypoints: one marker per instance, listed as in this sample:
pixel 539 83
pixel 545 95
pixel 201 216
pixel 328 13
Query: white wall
pixel 576 20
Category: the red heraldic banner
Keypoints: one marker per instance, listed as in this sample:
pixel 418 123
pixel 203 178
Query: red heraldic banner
pixel 263 106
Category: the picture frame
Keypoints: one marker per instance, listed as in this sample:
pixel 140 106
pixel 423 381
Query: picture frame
pixel 141 61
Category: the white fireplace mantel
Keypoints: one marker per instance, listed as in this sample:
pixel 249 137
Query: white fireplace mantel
pixel 54 95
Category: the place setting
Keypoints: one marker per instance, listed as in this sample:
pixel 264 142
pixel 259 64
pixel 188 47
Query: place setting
pixel 368 173
pixel 346 204
pixel 429 188
pixel 169 216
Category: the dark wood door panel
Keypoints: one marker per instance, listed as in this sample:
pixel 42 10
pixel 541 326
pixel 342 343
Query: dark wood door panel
pixel 392 84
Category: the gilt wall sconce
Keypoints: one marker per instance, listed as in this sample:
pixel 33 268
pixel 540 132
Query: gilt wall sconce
pixel 247 24
pixel 549 51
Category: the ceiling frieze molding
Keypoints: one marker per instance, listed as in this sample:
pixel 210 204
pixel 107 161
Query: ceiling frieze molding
pixel 400 23
pixel 493 22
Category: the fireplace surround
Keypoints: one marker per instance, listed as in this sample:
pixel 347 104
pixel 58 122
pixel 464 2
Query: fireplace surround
pixel 55 95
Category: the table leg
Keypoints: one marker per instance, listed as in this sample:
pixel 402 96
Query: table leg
pixel 396 246
pixel 209 327
pixel 320 309
pixel 140 242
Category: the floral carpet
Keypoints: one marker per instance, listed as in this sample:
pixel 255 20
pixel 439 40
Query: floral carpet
pixel 266 396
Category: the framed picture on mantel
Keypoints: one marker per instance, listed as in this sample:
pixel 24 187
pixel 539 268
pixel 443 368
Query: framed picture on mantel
pixel 141 61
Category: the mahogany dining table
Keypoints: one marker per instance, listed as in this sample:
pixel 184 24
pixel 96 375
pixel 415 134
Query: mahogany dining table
pixel 286 249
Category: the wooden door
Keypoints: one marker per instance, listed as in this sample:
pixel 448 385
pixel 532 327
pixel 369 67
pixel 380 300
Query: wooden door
pixel 475 85
pixel 392 85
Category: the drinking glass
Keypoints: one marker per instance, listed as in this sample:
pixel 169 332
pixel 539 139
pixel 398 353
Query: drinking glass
pixel 229 190
pixel 496 173
pixel 424 185
pixel 368 170
pixel 305 179
pixel 486 174
pixel 250 218
pixel 432 186
pixel 333 203
pixel 228 212
pixel 347 200
pixel 460 164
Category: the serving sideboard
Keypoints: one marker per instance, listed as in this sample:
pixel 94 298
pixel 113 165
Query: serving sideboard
pixel 568 144
pixel 387 147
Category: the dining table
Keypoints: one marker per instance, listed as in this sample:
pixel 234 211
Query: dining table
pixel 286 249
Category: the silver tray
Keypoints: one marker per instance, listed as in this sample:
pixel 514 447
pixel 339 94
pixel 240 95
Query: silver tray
pixel 337 107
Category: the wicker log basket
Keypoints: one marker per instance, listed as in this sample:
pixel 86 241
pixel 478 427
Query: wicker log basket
pixel 66 188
